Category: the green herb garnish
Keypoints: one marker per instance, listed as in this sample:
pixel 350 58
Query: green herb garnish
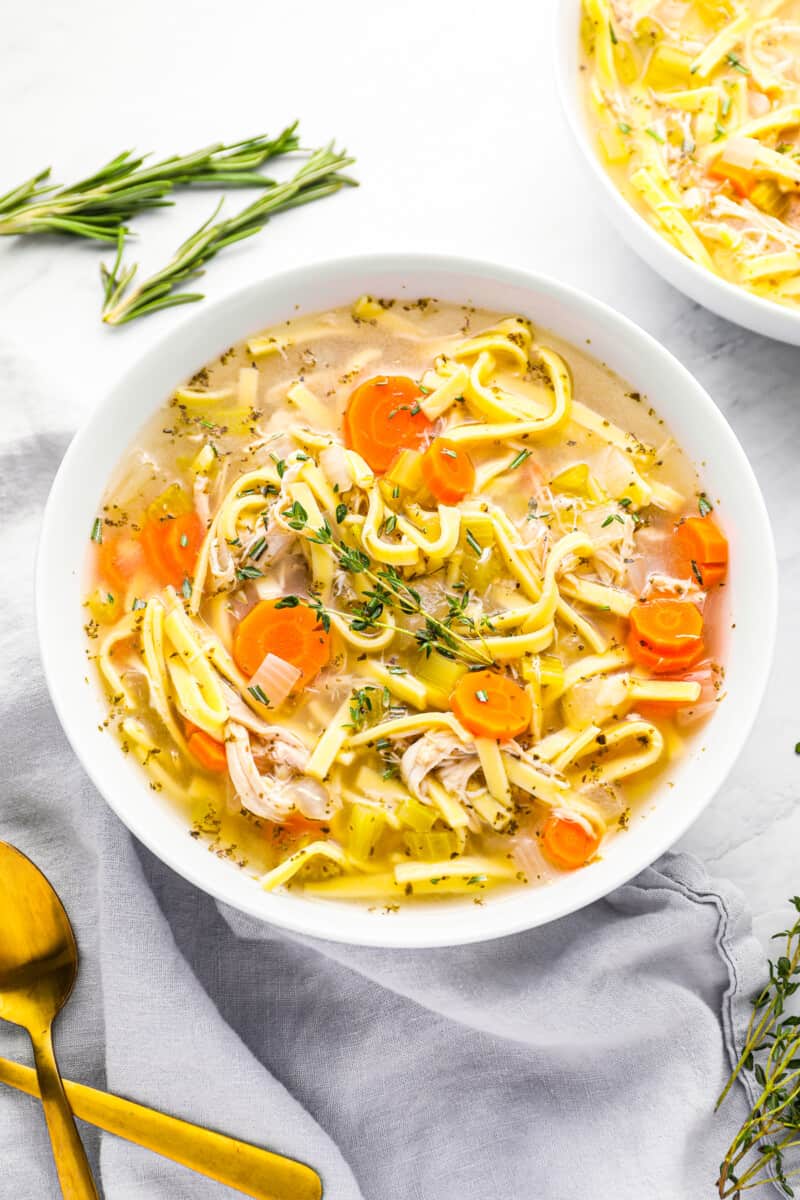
pixel 737 63
pixel 770 1059
pixel 704 505
pixel 97 531
pixel 248 573
pixel 519 459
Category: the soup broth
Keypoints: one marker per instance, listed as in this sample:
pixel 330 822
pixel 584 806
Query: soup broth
pixel 405 599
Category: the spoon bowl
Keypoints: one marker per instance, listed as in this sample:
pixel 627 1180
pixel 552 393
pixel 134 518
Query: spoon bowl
pixel 38 954
pixel 38 966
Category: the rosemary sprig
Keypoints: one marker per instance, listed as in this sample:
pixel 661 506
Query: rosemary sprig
pixel 771 1056
pixel 318 177
pixel 98 206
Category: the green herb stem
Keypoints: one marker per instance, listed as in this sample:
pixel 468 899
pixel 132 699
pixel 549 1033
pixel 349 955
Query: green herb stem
pixel 99 206
pixel 319 176
pixel 771 1057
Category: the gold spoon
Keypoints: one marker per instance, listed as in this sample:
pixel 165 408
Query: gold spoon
pixel 38 965
pixel 240 1165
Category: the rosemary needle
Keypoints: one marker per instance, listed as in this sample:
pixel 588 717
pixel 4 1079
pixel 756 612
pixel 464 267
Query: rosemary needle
pixel 318 177
pixel 98 206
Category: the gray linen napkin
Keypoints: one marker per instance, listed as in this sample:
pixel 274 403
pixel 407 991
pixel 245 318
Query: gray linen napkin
pixel 575 1062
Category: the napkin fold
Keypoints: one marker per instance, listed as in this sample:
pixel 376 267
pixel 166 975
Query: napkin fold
pixel 580 1061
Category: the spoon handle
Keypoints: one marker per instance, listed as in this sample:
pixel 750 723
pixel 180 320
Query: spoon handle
pixel 72 1165
pixel 240 1165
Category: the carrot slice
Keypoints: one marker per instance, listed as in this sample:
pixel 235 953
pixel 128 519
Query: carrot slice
pixel 666 664
pixel 207 750
pixel 568 842
pixel 491 705
pixel 119 558
pixel 666 635
pixel 742 180
pixel 171 546
pixel 382 417
pixel 668 626
pixel 705 547
pixel 293 633
pixel 448 471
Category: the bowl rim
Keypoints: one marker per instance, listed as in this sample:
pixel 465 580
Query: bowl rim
pixel 607 875
pixel 766 317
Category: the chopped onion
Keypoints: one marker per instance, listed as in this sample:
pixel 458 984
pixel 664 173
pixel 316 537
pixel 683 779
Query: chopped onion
pixel 311 798
pixel 696 712
pixel 758 103
pixel 276 678
pixel 528 856
pixel 333 461
pixel 740 152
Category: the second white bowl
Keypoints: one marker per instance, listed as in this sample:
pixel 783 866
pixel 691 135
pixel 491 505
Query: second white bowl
pixel 712 291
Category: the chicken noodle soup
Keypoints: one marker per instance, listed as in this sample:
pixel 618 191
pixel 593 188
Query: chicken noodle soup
pixel 405 600
pixel 696 108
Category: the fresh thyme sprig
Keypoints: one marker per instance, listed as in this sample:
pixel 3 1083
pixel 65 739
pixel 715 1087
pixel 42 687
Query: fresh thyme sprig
pixel 318 177
pixel 389 590
pixel 98 206
pixel 771 1056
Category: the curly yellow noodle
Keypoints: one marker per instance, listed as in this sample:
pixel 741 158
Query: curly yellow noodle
pixel 481 432
pixel 365 643
pixel 627 764
pixel 155 662
pixel 402 553
pixel 291 865
pixel 125 628
pixel 589 666
pixel 511 336
pixel 441 546
pixel 405 726
pixel 224 523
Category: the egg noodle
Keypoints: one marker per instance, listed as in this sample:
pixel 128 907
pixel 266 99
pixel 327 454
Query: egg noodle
pixel 388 635
pixel 696 108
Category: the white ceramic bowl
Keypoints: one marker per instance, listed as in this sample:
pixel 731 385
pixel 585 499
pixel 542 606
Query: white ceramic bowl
pixel 698 427
pixel 708 289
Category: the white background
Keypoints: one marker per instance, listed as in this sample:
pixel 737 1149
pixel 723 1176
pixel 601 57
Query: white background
pixel 450 110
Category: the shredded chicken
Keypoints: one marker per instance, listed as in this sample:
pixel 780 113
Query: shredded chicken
pixel 429 752
pixel 276 793
pixel 260 794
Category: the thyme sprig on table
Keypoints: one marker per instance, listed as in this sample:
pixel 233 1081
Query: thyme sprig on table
pixel 771 1058
pixel 319 176
pixel 99 206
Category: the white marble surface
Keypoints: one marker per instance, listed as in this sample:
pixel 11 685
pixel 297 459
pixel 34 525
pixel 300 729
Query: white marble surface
pixel 461 148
